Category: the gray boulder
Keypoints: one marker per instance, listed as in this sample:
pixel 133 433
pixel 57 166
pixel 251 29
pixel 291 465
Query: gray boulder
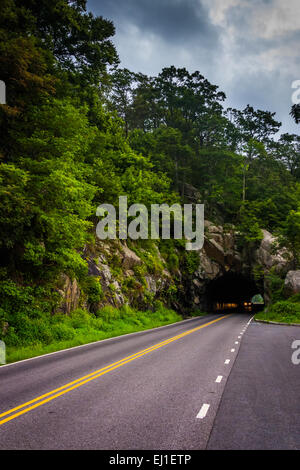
pixel 130 259
pixel 292 283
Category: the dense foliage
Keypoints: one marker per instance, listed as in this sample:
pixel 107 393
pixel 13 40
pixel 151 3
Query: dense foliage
pixel 78 131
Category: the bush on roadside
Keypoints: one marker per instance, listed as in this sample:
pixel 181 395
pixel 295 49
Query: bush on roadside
pixel 285 311
pixel 62 332
pixel 286 308
pixel 41 333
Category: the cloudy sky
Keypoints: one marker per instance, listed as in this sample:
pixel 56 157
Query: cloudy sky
pixel 249 48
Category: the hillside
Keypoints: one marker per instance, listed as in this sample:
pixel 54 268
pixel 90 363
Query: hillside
pixel 79 131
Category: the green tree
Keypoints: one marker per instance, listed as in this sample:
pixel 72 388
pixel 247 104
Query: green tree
pixel 287 150
pixel 290 236
pixel 45 196
pixel 254 125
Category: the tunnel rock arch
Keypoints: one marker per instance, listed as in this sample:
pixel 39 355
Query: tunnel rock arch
pixel 225 273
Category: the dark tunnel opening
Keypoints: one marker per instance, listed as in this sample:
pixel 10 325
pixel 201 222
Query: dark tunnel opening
pixel 234 293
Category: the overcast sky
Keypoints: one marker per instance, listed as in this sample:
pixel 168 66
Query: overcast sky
pixel 249 48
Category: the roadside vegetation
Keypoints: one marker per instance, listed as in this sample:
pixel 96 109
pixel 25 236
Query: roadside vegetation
pixel 78 131
pixel 53 333
pixel 281 308
pixel 285 311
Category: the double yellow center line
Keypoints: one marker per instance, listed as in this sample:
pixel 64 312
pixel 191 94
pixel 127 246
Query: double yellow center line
pixel 42 399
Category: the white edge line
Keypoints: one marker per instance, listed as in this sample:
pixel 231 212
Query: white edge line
pixel 204 409
pixel 95 342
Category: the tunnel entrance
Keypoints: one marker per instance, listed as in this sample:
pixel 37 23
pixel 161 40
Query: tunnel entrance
pixel 235 293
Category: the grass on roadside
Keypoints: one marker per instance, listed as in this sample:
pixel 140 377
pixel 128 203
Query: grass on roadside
pixel 285 311
pixel 197 313
pixel 61 331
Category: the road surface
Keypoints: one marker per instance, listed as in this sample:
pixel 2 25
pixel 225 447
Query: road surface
pixel 160 389
pixel 260 407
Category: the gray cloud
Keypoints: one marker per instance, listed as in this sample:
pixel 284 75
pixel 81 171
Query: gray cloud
pixel 264 55
pixel 247 47
pixel 172 20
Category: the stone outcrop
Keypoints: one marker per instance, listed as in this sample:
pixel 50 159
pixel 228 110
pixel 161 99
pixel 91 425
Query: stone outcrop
pixel 191 193
pixel 130 259
pixel 220 255
pixel 70 294
pixel 267 257
pixel 292 283
pixel 105 273
pixel 125 277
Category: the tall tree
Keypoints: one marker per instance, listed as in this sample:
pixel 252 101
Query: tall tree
pixel 287 150
pixel 48 48
pixel 253 126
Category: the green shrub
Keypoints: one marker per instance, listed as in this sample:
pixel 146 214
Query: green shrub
pixel 97 323
pixel 295 298
pixel 129 283
pixel 33 331
pixel 11 338
pixel 140 272
pixel 197 313
pixel 286 308
pixel 29 337
pixel 158 305
pixel 192 261
pixel 108 313
pixel 282 311
pixel 62 332
pixel 173 262
pixel 93 289
pixel 258 272
pixel 127 311
pixel 276 286
pixel 172 290
pixel 79 319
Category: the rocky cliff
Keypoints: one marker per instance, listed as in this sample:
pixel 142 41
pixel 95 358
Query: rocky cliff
pixel 139 274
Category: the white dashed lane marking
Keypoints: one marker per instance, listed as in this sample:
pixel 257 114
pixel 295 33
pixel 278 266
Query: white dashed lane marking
pixel 204 409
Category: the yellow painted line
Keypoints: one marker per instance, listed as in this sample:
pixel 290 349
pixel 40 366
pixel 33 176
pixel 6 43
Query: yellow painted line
pixel 87 378
pixel 109 366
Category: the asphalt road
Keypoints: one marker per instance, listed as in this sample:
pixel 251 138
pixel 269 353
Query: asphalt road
pixel 260 407
pixel 145 402
pixel 160 389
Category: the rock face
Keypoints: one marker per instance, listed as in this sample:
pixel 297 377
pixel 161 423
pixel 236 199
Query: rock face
pixel 126 278
pixel 292 283
pixel 114 266
pixel 221 255
pixel 93 269
pixel 265 255
pixel 267 259
pixel 130 259
pixel 70 294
